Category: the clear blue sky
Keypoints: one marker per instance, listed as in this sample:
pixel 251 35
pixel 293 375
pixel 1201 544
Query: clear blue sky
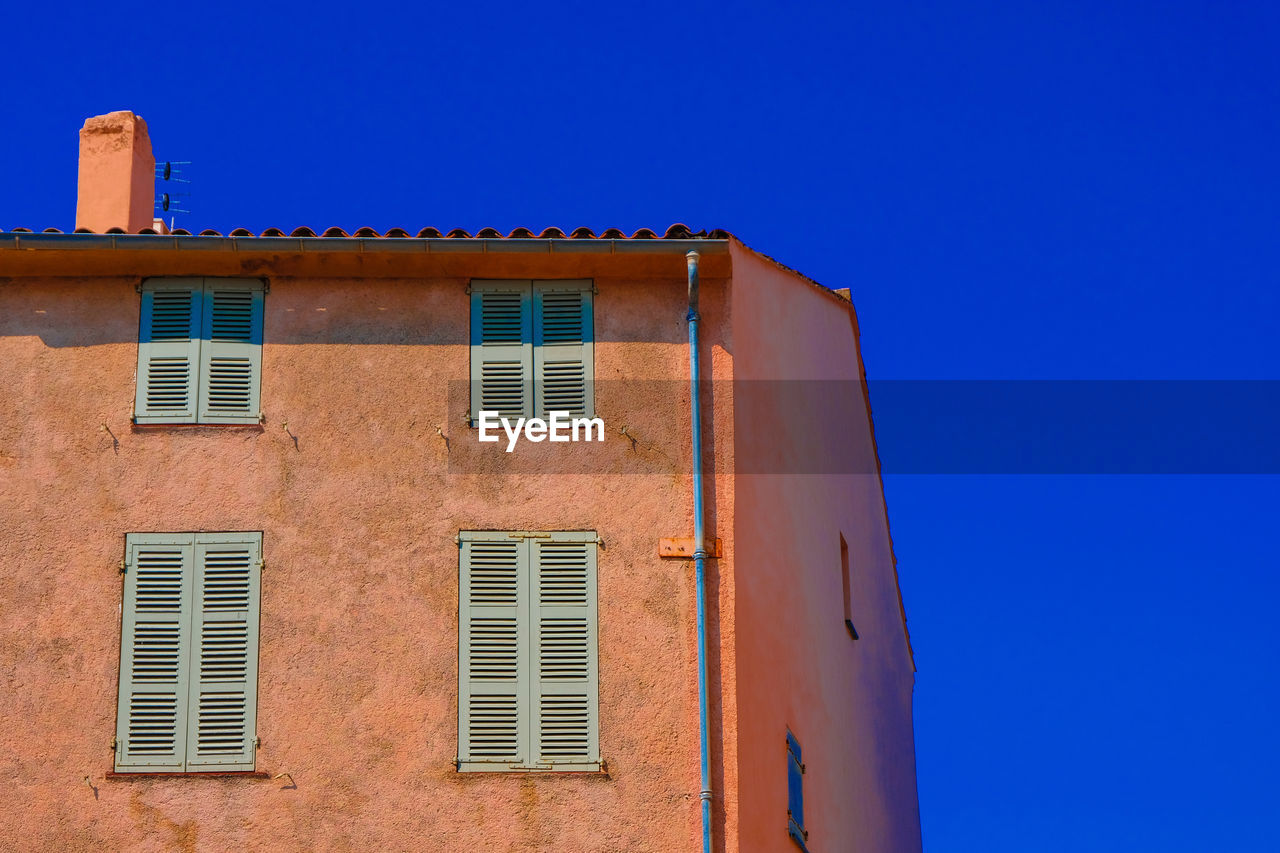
pixel 1052 190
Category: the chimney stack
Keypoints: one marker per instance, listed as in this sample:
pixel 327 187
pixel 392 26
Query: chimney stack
pixel 117 174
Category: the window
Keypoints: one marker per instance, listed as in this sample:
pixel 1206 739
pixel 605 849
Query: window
pixel 845 580
pixel 531 348
pixel 199 351
pixel 189 653
pixel 795 792
pixel 527 662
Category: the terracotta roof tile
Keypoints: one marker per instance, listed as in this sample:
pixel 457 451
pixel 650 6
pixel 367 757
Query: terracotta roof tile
pixel 675 232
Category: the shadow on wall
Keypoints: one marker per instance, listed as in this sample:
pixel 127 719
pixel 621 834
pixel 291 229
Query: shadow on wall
pixel 75 312
pixel 70 312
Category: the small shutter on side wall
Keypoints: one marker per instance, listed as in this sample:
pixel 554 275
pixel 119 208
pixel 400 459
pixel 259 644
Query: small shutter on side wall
pixel 562 335
pixel 224 664
pixel 155 640
pixel 231 353
pixel 169 351
pixel 493 678
pixel 795 793
pixel 565 662
pixel 501 348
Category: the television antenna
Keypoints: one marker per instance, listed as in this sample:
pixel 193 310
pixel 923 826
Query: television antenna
pixel 171 200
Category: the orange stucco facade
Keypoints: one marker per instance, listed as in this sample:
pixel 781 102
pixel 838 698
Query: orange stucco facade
pixel 847 701
pixel 360 478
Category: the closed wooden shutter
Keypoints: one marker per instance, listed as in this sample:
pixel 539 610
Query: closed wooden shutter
pixel 231 351
pixel 501 348
pixel 492 668
pixel 562 337
pixel 155 642
pixel 565 666
pixel 169 351
pixel 224 664
pixel 189 652
pixel 795 793
pixel 528 694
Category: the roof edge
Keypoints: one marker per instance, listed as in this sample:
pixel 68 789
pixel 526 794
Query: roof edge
pixel 27 241
pixel 840 296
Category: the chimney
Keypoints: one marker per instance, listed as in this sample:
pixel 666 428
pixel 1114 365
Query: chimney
pixel 117 174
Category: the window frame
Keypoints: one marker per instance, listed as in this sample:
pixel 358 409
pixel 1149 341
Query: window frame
pixel 529 687
pixel 201 349
pixel 533 349
pixel 846 582
pixel 192 621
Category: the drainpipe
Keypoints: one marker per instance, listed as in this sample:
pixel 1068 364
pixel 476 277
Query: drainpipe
pixel 699 551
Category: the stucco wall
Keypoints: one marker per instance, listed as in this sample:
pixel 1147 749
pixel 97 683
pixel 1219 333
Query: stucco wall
pixel 357 684
pixel 806 477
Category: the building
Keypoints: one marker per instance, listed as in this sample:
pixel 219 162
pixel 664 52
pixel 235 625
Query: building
pixel 267 590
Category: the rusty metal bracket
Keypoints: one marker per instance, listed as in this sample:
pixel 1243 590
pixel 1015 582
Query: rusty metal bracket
pixel 683 548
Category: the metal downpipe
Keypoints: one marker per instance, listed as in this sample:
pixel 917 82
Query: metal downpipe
pixel 699 552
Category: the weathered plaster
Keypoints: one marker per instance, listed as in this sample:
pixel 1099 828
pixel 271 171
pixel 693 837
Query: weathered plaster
pixel 358 660
pixel 116 183
pixel 359 502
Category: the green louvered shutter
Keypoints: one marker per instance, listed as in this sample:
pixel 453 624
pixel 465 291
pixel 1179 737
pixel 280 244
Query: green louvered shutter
pixel 155 642
pixel 169 351
pixel 501 348
pixel 562 352
pixel 565 665
pixel 493 688
pixel 231 354
pixel 222 709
